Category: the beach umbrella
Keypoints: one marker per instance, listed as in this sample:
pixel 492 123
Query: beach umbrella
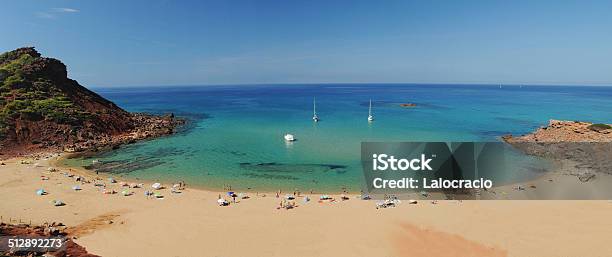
pixel 156 186
pixel 112 180
pixel 76 188
pixel 41 192
pixel 57 202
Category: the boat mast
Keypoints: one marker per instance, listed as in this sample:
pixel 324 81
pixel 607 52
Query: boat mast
pixel 315 118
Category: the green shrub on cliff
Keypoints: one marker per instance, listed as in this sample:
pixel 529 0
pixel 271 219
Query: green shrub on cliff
pixel 3 75
pixel 16 65
pixel 14 81
pixel 58 109
pixel 11 72
pixel 14 55
pixel 31 98
pixel 38 100
pixel 599 127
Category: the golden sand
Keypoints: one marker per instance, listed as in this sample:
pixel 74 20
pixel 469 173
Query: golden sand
pixel 192 224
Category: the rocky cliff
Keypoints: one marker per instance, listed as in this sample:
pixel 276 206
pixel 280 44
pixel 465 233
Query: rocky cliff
pixel 41 108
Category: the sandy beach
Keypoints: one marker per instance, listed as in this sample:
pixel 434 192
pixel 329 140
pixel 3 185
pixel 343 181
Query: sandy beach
pixel 191 221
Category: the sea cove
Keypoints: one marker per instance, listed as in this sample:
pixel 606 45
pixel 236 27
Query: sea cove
pixel 235 134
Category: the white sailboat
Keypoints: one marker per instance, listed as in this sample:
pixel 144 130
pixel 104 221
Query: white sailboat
pixel 370 117
pixel 289 137
pixel 315 118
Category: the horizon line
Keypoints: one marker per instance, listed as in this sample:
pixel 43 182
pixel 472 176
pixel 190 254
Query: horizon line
pixel 355 83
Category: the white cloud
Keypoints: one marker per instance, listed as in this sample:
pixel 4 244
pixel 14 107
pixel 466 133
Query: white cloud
pixel 64 9
pixel 54 12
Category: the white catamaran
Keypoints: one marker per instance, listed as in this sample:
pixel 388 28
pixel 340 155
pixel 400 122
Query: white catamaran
pixel 315 118
pixel 370 117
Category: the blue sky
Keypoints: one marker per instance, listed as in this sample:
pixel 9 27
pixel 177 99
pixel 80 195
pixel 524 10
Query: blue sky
pixel 139 43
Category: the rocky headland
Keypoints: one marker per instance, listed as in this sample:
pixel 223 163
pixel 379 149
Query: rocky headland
pixel 41 109
pixel 566 131
pixel 582 148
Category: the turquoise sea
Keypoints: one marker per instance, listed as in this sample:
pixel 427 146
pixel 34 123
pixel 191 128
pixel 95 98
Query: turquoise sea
pixel 235 133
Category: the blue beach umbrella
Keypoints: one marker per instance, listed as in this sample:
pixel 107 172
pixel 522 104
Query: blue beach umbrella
pixel 41 192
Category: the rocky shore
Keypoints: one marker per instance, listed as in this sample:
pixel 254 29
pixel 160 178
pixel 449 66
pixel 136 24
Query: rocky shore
pixel 146 126
pixel 584 146
pixel 566 131
pixel 71 248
